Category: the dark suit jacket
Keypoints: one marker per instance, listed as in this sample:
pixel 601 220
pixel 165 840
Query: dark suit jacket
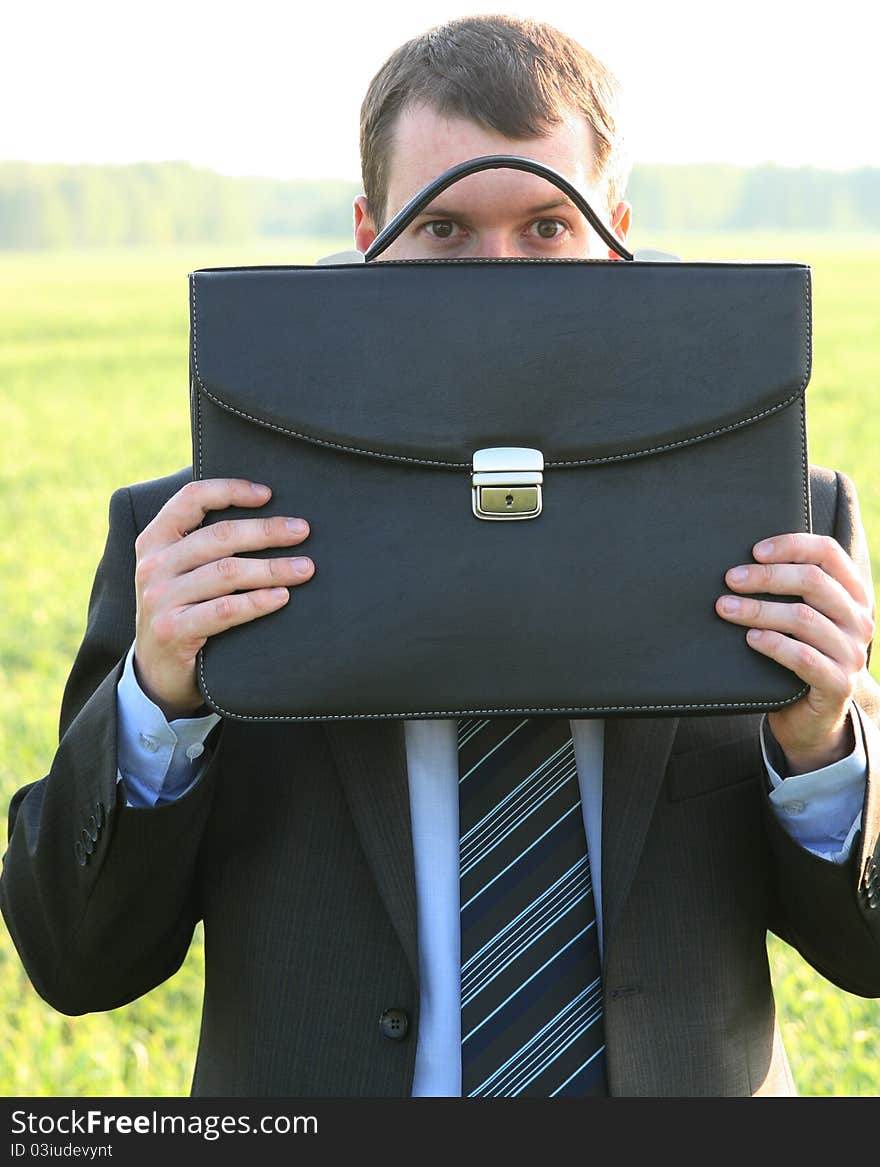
pixel 295 848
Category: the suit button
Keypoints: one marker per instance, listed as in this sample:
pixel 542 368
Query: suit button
pixel 80 852
pixel 394 1023
pixel 100 814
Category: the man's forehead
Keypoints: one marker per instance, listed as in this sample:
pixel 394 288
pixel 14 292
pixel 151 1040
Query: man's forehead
pixel 425 143
pixel 482 202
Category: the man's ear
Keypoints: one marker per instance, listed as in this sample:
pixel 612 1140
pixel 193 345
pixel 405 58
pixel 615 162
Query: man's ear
pixel 621 221
pixel 364 227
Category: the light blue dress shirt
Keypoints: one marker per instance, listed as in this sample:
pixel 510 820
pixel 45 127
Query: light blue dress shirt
pixel 159 762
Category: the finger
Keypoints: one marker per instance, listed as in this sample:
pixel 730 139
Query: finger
pixel 231 537
pixel 798 620
pixel 200 621
pixel 234 574
pixel 825 678
pixel 186 509
pixel 821 550
pixel 820 590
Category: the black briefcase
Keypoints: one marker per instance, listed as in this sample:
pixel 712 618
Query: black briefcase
pixel 525 479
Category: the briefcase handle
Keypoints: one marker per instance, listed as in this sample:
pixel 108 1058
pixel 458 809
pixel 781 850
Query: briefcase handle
pixel 404 217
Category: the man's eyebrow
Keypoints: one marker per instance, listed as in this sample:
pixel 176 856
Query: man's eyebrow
pixel 441 212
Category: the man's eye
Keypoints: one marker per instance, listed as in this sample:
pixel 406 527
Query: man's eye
pixel 548 228
pixel 440 228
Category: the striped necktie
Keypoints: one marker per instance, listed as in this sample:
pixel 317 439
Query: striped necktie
pixel 531 987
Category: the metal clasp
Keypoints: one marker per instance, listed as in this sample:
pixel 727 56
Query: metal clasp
pixel 507 482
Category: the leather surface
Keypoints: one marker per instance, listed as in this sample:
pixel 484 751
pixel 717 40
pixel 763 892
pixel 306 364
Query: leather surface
pixel 667 399
pixel 429 361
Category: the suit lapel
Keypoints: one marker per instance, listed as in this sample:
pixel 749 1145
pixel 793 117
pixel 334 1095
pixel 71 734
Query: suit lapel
pixel 371 759
pixel 636 753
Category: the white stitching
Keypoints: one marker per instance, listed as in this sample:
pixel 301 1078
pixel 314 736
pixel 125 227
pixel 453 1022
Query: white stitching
pixel 627 456
pixel 808 313
pixel 756 705
pixel 736 425
pixel 192 298
pixel 768 264
pixel 500 259
pixel 326 442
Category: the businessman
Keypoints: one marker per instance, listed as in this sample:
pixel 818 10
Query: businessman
pixel 345 951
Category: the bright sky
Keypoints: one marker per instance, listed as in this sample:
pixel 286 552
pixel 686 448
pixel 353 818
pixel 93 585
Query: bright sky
pixel 274 88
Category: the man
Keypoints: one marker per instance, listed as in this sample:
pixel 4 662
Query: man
pixel 323 857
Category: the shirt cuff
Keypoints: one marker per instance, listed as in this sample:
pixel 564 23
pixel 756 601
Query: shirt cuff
pixel 820 810
pixel 155 758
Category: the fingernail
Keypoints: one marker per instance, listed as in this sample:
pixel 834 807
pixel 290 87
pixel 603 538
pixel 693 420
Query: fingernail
pixel 301 566
pixel 280 594
pixel 297 526
pixel 765 548
pixel 738 574
pixel 754 634
pixel 259 488
pixel 730 604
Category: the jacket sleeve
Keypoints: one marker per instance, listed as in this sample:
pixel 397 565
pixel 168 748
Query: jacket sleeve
pixel 831 912
pixel 99 898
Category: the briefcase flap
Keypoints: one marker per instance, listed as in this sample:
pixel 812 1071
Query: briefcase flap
pixel 430 361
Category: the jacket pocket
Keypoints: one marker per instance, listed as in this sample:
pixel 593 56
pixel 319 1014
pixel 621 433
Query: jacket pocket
pixel 713 768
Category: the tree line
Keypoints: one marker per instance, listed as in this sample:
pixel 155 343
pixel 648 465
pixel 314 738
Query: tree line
pixel 56 205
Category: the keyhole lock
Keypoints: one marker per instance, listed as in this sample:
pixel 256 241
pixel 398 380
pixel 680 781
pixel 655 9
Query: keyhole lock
pixel 507 482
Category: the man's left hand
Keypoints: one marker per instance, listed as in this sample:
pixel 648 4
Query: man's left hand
pixel 823 638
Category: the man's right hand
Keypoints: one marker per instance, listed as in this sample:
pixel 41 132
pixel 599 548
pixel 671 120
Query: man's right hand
pixel 187 577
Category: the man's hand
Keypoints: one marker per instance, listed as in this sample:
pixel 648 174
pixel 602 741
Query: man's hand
pixel 824 639
pixel 187 578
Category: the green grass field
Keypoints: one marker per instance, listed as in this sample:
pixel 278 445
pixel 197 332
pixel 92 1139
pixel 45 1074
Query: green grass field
pixel 93 395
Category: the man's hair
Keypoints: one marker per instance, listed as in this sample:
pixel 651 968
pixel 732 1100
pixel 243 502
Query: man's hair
pixel 518 77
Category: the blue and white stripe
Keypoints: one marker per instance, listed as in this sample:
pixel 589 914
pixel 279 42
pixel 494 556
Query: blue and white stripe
pixel 512 811
pixel 539 1053
pixel 524 930
pixel 531 991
